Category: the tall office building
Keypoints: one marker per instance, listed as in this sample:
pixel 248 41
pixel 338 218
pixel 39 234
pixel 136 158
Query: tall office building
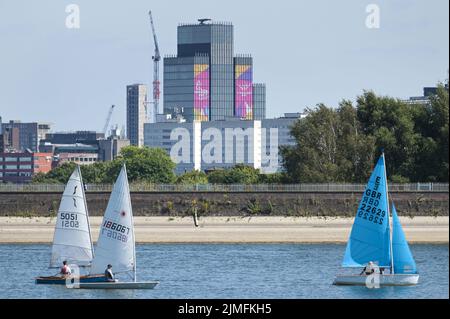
pixel 205 81
pixel 136 113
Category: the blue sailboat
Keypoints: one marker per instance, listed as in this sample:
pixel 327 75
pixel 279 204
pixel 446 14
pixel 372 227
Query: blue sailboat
pixel 373 244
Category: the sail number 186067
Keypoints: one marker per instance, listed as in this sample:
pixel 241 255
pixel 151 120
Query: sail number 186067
pixel 115 231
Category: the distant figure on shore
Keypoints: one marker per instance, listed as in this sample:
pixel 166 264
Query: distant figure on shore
pixel 109 274
pixel 65 269
pixel 369 269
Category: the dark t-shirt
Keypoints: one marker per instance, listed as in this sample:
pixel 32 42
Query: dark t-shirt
pixel 108 274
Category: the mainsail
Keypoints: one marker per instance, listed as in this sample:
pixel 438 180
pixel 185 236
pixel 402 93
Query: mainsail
pixel 115 244
pixel 72 237
pixel 403 260
pixel 370 236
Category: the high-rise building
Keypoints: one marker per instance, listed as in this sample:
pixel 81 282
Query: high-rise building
pixel 136 113
pixel 205 81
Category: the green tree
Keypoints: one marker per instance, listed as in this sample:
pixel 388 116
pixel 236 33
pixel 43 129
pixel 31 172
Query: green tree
pixel 275 178
pixel 390 122
pixel 330 147
pixel 193 177
pixel 431 123
pixel 144 164
pixel 58 175
pixel 239 174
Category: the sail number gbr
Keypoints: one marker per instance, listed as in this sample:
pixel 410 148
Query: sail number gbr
pixel 69 220
pixel 115 231
pixel 369 208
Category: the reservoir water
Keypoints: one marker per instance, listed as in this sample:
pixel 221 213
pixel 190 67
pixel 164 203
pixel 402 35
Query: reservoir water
pixel 286 271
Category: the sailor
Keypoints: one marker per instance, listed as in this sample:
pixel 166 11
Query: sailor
pixel 65 269
pixel 109 274
pixel 369 269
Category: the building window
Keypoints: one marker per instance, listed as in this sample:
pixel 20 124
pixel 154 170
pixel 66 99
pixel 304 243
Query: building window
pixel 10 159
pixel 25 159
pixel 10 166
pixel 25 167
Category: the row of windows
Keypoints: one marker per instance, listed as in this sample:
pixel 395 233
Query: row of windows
pixel 15 174
pixel 81 159
pixel 16 166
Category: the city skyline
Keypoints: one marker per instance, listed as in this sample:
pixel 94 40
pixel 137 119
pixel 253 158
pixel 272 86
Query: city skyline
pixel 70 77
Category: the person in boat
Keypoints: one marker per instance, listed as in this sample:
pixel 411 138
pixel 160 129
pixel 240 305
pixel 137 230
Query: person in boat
pixel 65 269
pixel 369 269
pixel 109 274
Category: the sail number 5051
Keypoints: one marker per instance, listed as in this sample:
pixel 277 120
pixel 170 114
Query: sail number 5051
pixel 69 220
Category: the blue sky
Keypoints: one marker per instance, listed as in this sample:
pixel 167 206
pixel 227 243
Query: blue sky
pixel 307 52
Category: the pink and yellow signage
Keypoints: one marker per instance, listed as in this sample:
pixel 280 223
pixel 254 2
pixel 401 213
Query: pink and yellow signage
pixel 201 92
pixel 244 92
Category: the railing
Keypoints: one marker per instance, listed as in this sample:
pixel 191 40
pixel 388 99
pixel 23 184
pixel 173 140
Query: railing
pixel 168 188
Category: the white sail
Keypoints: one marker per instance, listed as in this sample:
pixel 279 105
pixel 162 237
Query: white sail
pixel 72 238
pixel 115 244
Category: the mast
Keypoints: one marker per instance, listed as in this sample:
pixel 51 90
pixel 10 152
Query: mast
pixel 389 216
pixel 132 223
pixel 87 212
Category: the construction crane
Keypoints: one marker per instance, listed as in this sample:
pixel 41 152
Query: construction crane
pixel 108 119
pixel 156 58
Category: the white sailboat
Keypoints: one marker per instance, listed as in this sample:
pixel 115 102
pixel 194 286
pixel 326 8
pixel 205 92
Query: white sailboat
pixel 72 237
pixel 116 242
pixel 372 239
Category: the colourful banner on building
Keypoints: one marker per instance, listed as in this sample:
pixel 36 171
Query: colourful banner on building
pixel 244 92
pixel 201 92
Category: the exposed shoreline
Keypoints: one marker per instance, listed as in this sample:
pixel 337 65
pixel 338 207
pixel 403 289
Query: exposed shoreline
pixel 230 229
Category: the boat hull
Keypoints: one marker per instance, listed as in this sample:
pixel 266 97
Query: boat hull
pixel 56 280
pixel 117 285
pixel 385 280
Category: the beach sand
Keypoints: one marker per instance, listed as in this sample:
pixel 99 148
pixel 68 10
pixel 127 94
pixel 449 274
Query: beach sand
pixel 233 229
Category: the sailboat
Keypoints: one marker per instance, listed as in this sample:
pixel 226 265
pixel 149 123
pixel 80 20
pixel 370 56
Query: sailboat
pixel 72 237
pixel 116 242
pixel 371 238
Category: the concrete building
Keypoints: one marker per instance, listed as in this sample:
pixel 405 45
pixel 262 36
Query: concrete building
pixel 84 137
pixel 109 148
pixel 221 144
pixel 19 167
pixel 428 92
pixel 206 81
pixel 136 113
pixel 78 158
pixel 29 133
pixel 9 140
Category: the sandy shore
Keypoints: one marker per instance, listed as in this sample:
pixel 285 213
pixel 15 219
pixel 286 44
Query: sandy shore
pixel 229 229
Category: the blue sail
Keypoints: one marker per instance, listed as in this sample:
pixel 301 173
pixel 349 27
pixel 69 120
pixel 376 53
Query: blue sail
pixel 403 260
pixel 370 238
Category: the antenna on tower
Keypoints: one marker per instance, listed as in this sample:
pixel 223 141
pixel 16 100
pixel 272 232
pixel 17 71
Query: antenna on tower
pixel 202 21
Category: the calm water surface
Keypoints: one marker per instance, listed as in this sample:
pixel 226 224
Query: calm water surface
pixel 226 271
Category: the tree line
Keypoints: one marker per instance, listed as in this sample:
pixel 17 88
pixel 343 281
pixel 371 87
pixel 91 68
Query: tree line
pixel 333 145
pixel 342 144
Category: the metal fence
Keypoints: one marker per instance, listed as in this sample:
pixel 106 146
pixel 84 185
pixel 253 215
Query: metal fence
pixel 229 188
